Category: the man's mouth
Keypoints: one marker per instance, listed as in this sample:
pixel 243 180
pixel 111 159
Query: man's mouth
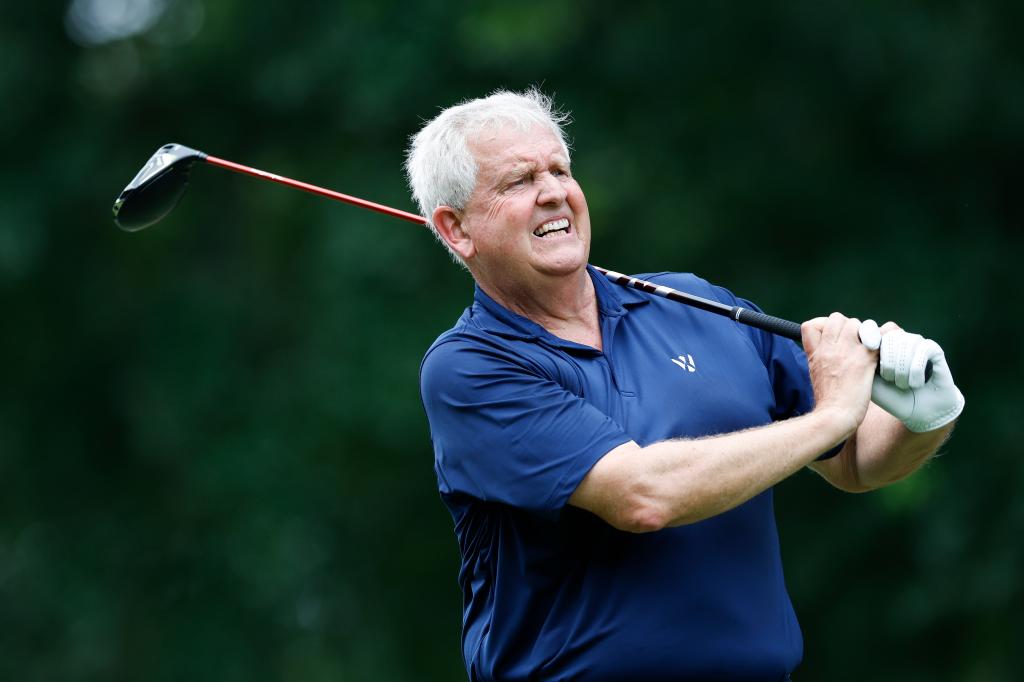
pixel 552 227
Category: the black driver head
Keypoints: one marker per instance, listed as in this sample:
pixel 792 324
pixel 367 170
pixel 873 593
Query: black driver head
pixel 156 189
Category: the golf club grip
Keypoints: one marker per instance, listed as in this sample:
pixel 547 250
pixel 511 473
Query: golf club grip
pixel 769 323
pixel 790 330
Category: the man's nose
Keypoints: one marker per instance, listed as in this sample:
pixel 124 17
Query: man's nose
pixel 552 190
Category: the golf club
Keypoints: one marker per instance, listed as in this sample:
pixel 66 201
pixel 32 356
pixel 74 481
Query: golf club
pixel 158 187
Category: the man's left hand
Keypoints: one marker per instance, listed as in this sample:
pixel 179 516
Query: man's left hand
pixel 900 388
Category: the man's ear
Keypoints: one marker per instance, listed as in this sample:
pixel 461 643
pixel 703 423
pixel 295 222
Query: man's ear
pixel 448 223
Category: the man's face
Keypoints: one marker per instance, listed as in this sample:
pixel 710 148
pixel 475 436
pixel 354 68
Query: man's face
pixel 527 217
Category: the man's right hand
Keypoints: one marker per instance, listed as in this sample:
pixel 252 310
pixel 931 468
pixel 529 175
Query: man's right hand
pixel 841 368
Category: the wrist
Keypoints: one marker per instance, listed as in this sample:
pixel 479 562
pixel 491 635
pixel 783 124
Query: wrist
pixel 836 423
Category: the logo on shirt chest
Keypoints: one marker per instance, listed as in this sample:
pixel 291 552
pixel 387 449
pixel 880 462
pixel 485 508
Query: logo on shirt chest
pixel 685 362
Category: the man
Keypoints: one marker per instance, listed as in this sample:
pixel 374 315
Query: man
pixel 608 456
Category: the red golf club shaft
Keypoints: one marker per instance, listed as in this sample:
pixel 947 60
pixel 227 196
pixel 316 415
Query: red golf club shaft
pixel 772 324
pixel 313 189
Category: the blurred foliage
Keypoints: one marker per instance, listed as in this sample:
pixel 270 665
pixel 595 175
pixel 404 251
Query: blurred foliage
pixel 213 460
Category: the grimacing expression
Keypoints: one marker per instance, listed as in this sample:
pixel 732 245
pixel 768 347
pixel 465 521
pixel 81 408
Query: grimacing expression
pixel 527 217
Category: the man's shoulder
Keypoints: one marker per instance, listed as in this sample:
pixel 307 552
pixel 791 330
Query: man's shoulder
pixel 466 332
pixel 462 333
pixel 468 341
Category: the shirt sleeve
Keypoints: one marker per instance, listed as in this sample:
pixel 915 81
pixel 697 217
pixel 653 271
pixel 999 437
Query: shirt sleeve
pixel 787 369
pixel 503 432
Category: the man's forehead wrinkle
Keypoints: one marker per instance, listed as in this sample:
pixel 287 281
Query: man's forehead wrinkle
pixel 523 164
pixel 499 159
pixel 517 162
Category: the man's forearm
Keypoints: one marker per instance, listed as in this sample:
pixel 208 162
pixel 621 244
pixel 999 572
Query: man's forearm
pixel 677 482
pixel 883 451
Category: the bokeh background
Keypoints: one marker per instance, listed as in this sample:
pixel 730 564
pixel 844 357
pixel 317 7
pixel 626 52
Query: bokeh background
pixel 213 460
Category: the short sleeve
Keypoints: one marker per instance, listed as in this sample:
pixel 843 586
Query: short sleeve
pixel 503 432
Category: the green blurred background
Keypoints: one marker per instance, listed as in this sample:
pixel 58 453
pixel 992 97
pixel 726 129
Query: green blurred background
pixel 213 460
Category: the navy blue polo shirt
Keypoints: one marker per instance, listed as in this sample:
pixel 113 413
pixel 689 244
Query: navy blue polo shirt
pixel 518 417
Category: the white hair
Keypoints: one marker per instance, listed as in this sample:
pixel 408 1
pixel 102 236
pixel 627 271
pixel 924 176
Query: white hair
pixel 439 165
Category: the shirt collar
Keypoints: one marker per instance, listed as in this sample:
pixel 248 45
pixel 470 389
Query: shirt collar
pixel 612 301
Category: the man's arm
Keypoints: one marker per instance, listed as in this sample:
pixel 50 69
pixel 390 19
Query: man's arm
pixel 683 481
pixel 677 482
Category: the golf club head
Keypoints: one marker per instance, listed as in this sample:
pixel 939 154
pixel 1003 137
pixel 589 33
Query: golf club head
pixel 156 189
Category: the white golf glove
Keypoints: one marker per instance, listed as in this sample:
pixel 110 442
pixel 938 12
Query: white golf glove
pixel 900 388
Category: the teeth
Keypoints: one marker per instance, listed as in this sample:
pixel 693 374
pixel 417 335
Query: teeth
pixel 560 224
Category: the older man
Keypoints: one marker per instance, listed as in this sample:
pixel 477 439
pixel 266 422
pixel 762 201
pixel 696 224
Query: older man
pixel 608 457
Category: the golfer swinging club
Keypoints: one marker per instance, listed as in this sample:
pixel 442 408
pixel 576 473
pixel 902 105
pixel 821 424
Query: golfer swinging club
pixel 608 456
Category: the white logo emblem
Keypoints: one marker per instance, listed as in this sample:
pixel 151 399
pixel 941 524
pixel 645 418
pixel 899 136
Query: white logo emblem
pixel 686 362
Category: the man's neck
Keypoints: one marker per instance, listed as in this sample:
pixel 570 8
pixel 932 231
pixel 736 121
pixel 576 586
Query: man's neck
pixel 565 306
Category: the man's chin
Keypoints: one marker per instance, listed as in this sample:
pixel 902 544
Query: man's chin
pixel 562 267
pixel 563 261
